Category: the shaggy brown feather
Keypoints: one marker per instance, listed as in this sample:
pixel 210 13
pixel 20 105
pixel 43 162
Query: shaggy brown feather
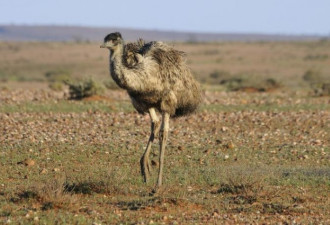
pixel 156 75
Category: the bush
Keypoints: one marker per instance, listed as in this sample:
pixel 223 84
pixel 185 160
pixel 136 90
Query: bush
pixel 83 89
pixel 322 89
pixel 319 83
pixel 249 83
pixel 56 86
pixel 312 76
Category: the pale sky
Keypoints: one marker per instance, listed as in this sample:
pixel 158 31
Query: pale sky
pixel 239 16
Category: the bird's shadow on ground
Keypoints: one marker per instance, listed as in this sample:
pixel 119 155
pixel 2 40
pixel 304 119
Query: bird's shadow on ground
pixel 148 202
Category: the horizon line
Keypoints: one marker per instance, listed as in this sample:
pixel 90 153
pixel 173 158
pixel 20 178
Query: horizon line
pixel 167 30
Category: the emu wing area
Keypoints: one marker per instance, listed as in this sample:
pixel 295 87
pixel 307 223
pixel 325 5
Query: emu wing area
pixel 180 94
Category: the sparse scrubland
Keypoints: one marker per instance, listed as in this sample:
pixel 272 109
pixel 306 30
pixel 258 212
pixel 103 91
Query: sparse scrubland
pixel 256 152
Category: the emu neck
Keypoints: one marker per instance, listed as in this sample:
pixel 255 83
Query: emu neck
pixel 118 71
pixel 116 54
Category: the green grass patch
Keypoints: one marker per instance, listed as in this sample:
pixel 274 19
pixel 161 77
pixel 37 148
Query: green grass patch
pixel 71 106
pixel 65 106
pixel 264 107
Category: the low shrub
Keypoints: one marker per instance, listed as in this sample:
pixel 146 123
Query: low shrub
pixel 312 76
pixel 243 82
pixel 86 88
pixel 318 82
pixel 322 89
pixel 250 84
pixel 56 86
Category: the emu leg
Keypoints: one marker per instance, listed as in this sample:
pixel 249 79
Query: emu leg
pixel 144 161
pixel 162 141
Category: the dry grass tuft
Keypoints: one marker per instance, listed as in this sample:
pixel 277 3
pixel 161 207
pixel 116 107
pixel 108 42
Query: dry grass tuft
pixel 83 89
pixel 52 195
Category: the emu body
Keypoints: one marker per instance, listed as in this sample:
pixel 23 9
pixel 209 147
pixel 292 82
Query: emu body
pixel 157 79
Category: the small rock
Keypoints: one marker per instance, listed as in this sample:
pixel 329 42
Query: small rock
pixel 244 101
pixel 43 171
pixel 44 150
pixel 175 132
pixel 215 214
pixel 56 169
pixel 29 162
pixel 207 151
pixel 226 157
pixel 218 141
pixel 317 142
pixel 224 129
pixel 137 122
pixel 230 145
pixel 298 206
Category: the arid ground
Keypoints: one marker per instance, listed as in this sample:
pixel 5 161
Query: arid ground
pixel 256 151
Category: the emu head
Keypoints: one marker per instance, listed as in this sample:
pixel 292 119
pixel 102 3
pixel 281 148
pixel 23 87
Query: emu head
pixel 111 41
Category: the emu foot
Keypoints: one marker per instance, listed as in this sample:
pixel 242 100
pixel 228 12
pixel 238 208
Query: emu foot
pixel 145 168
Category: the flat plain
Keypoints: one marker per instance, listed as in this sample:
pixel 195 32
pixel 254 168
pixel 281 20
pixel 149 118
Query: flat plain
pixel 256 151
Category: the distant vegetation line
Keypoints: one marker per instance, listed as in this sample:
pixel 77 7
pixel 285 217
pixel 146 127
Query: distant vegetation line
pixel 80 33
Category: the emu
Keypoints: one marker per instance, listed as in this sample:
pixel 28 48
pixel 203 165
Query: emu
pixel 157 79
